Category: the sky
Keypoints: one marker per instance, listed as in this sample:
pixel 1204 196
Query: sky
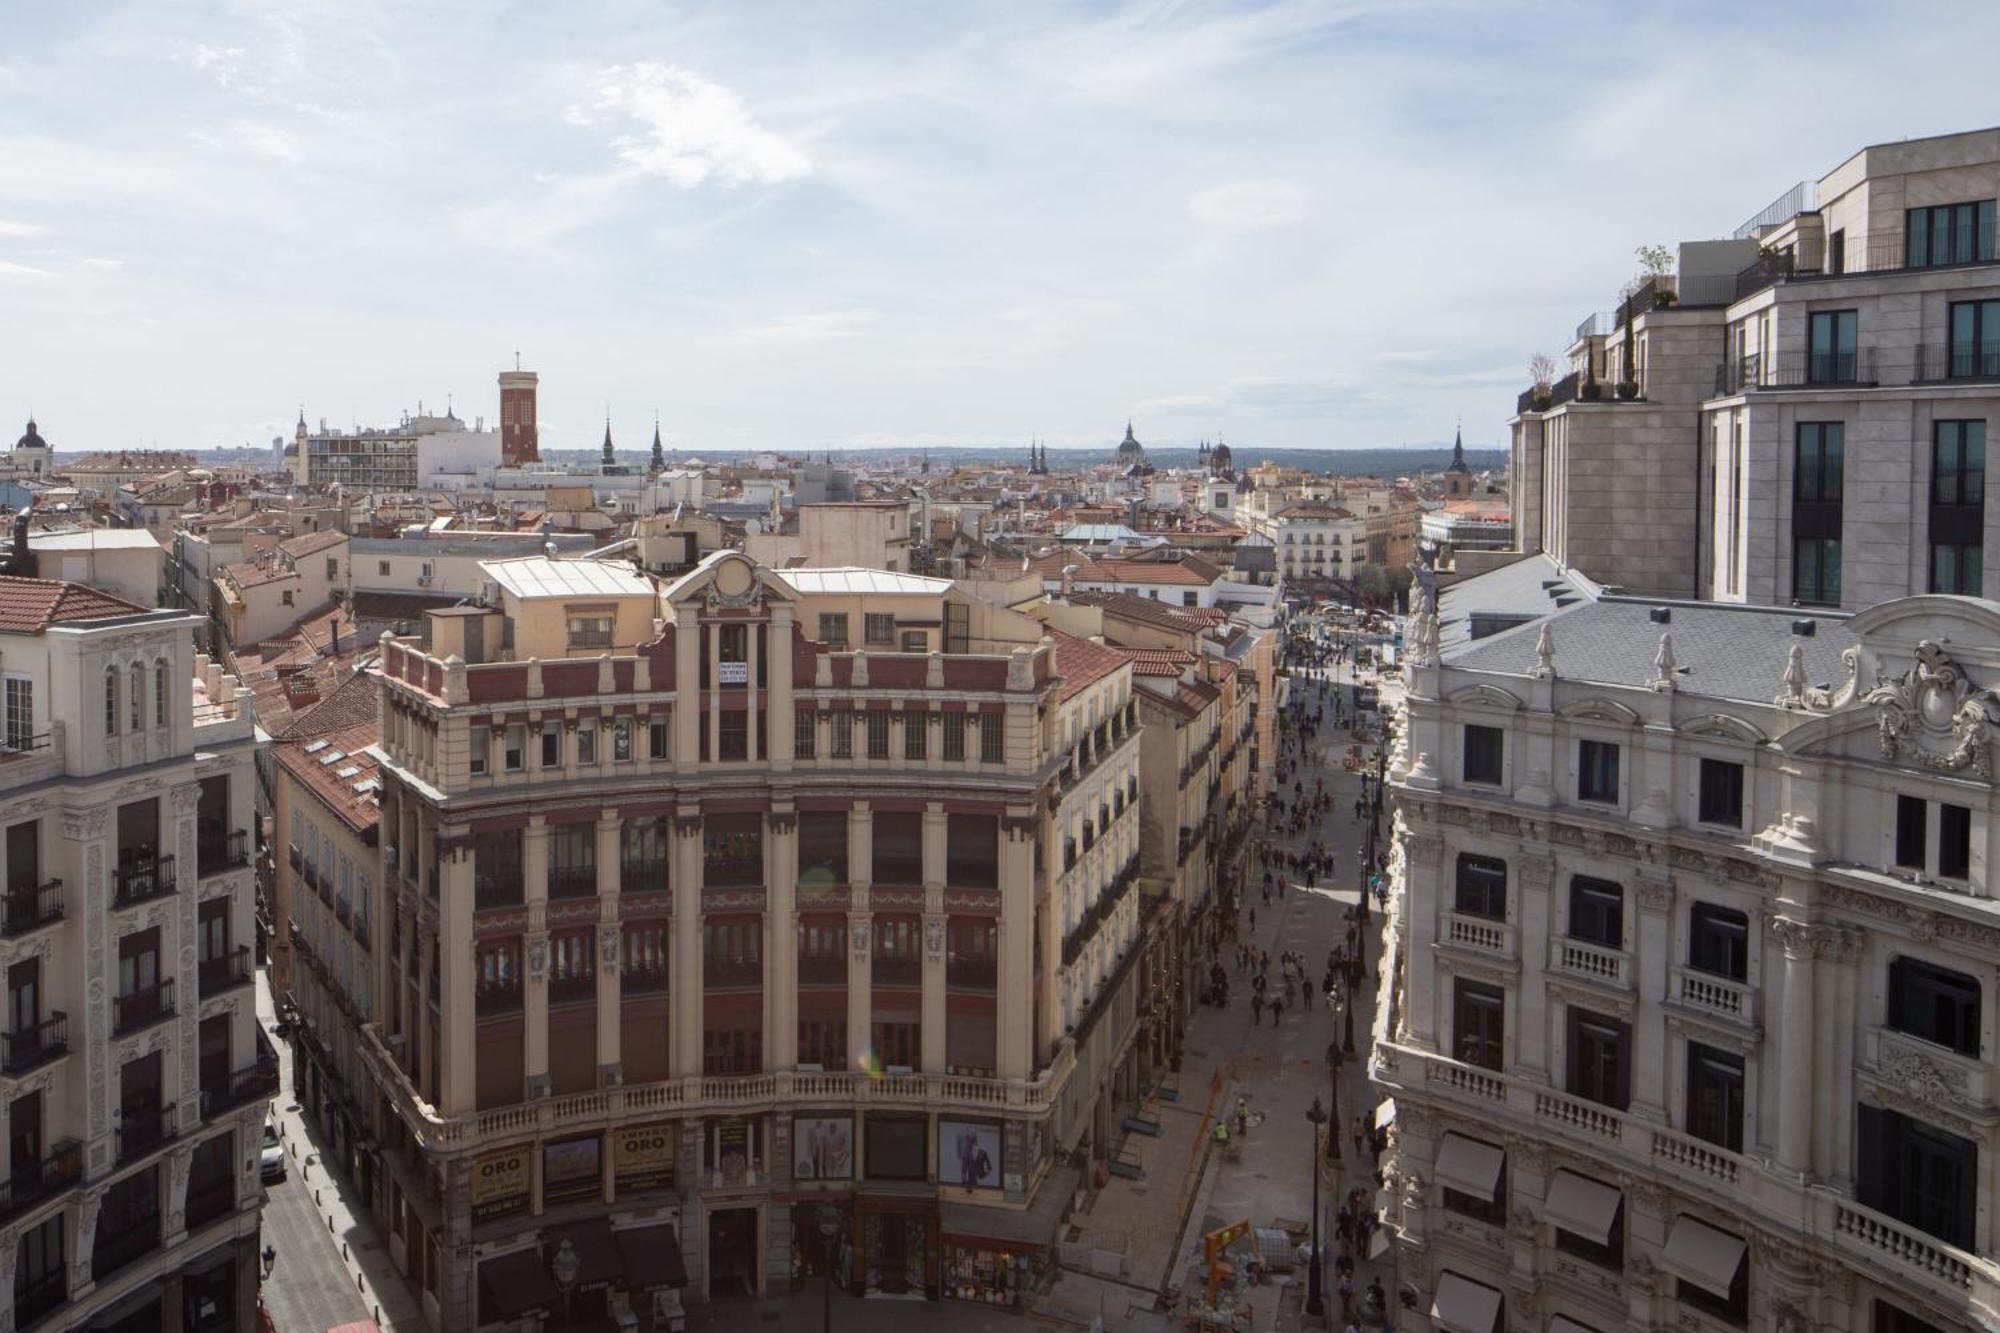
pixel 1304 223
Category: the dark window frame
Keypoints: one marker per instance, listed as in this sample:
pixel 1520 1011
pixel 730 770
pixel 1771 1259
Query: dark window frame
pixel 1923 1176
pixel 1485 753
pixel 1480 888
pixel 1597 775
pixel 1715 1101
pixel 1819 479
pixel 1936 1004
pixel 1957 511
pixel 1598 1058
pixel 1967 233
pixel 1597 911
pixel 1833 342
pixel 1719 794
pixel 1479 1023
pixel 1719 941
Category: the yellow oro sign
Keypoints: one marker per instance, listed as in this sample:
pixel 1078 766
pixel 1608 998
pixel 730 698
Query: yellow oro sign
pixel 500 1182
pixel 643 1156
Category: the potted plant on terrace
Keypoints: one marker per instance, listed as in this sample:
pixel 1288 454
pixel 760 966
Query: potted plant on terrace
pixel 1543 371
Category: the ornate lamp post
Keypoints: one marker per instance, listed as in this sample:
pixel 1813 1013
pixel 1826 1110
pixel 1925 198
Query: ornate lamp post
pixel 828 1223
pixel 564 1267
pixel 1335 1058
pixel 1315 1300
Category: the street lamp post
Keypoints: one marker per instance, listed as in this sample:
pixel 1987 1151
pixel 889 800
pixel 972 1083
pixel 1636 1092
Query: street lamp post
pixel 565 1267
pixel 1315 1300
pixel 1335 1058
pixel 828 1222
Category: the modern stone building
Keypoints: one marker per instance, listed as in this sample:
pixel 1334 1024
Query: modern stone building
pixel 133 1075
pixel 1686 999
pixel 1809 399
pixel 692 923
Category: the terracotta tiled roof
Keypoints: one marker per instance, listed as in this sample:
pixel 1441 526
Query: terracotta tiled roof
pixel 1082 662
pixel 1178 573
pixel 1159 661
pixel 29 606
pixel 312 543
pixel 1313 509
pixel 350 785
pixel 1146 611
pixel 247 575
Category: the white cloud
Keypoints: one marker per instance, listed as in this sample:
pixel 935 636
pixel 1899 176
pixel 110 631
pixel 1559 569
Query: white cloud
pixel 817 326
pixel 102 265
pixel 672 122
pixel 13 229
pixel 1252 205
pixel 8 270
pixel 267 139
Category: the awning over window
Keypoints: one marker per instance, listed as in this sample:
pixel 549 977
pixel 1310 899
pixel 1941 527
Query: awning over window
pixel 513 1285
pixel 1385 1114
pixel 1581 1205
pixel 652 1258
pixel 597 1260
pixel 1696 1252
pixel 1461 1305
pixel 1469 1166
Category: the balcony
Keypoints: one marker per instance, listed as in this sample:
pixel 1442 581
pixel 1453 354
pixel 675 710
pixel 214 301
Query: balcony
pixel 1479 935
pixel 814 971
pixel 38 1296
pixel 230 851
pixel 1797 370
pixel 499 890
pixel 979 975
pixel 33 1183
pixel 226 972
pixel 141 878
pixel 114 1250
pixel 208 1200
pixel 1597 325
pixel 897 971
pixel 495 1001
pixel 647 875
pixel 573 988
pixel 642 981
pixel 140 1130
pixel 30 1047
pixel 142 1008
pixel 1943 363
pixel 1591 962
pixel 1712 994
pixel 256 1083
pixel 32 906
pixel 572 881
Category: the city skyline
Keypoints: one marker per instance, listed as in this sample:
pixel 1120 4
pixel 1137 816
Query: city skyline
pixel 808 231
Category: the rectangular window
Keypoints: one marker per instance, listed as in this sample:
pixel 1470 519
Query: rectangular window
pixel 382 568
pixel 1948 234
pixel 1920 1175
pixel 954 736
pixel 20 697
pixel 878 733
pixel 1715 1096
pixel 1954 841
pixel 591 629
pixel 913 641
pixel 1975 340
pixel 1482 887
pixel 516 745
pixel 1597 771
pixel 586 745
pixel 1600 1065
pixel 1936 1004
pixel 659 740
pixel 1721 793
pixel 1719 941
pixel 1831 347
pixel 879 629
pixel 805 733
pixel 916 735
pixel 992 744
pixel 1478 1023
pixel 621 741
pixel 1913 834
pixel 1957 507
pixel 732 737
pixel 1484 749
pixel 551 746
pixel 833 629
pixel 1597 911
pixel 1818 487
pixel 841 731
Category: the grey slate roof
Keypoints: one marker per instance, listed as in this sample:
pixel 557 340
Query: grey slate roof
pixel 1727 652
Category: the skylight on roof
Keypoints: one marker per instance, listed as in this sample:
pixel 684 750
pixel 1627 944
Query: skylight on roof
pixel 347 772
pixel 366 786
pixel 316 746
pixel 333 756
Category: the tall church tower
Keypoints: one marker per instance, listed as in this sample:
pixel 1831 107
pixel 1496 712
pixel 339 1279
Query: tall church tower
pixel 520 440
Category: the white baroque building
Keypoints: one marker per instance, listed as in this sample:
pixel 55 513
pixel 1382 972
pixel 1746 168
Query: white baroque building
pixel 1687 1016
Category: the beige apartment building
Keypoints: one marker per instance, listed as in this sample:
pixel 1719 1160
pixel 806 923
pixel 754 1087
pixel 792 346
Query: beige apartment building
pixel 757 892
pixel 133 1075
pixel 1688 1015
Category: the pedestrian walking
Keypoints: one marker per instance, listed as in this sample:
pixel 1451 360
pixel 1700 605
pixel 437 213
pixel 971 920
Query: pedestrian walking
pixel 1257 1005
pixel 1347 1297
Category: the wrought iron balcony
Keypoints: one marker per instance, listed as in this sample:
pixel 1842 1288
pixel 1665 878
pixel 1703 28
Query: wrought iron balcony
pixel 897 971
pixel 33 1182
pixel 573 881
pixel 220 852
pixel 141 878
pixel 1939 363
pixel 27 1047
pixel 815 971
pixel 117 1249
pixel 493 1001
pixel 226 971
pixel 138 1008
pixel 641 875
pixel 258 1081
pixel 31 906
pixel 142 1129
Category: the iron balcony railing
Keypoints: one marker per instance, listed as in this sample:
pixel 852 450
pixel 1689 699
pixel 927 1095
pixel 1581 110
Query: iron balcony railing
pixel 143 877
pixel 239 1088
pixel 1941 362
pixel 1801 198
pixel 971 974
pixel 642 874
pixel 38 1295
pixel 818 971
pixel 642 980
pixel 1562 391
pixel 32 1182
pixel 31 906
pixel 1797 370
pixel 571 881
pixel 897 971
pixel 493 1001
pixel 1651 294
pixel 116 1249
pixel 1765 271
pixel 26 1047
pixel 142 1129
pixel 208 1200
pixel 225 971
pixel 229 851
pixel 498 890
pixel 149 1004
pixel 572 987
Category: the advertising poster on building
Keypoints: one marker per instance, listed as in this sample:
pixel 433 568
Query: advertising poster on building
pixel 570 1170
pixel 643 1156
pixel 500 1183
pixel 822 1147
pixel 969 1154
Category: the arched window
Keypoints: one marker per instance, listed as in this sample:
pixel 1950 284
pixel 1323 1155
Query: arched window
pixel 111 700
pixel 137 703
pixel 160 693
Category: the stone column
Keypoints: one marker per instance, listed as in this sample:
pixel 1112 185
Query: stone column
pixel 1050 924
pixel 187 975
pixel 180 1162
pixel 83 1242
pixel 1534 876
pixel 90 904
pixel 934 1022
pixel 610 1033
pixel 778 703
pixel 1422 854
pixel 1795 1045
pixel 687 674
pixel 860 928
pixel 458 988
pixel 1650 941
pixel 1834 1164
pixel 535 956
pixel 781 940
pixel 1014 1021
pixel 684 974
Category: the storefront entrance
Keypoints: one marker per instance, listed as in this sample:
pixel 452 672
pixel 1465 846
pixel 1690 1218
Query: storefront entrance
pixel 811 1252
pixel 732 1252
pixel 896 1254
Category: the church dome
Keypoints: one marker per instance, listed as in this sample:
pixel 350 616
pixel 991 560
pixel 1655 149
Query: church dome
pixel 33 439
pixel 1129 449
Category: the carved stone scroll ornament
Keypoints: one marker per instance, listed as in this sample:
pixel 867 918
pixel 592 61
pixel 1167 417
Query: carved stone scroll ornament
pixel 1935 717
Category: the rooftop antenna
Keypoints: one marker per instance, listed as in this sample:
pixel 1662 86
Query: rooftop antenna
pixel 517 358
